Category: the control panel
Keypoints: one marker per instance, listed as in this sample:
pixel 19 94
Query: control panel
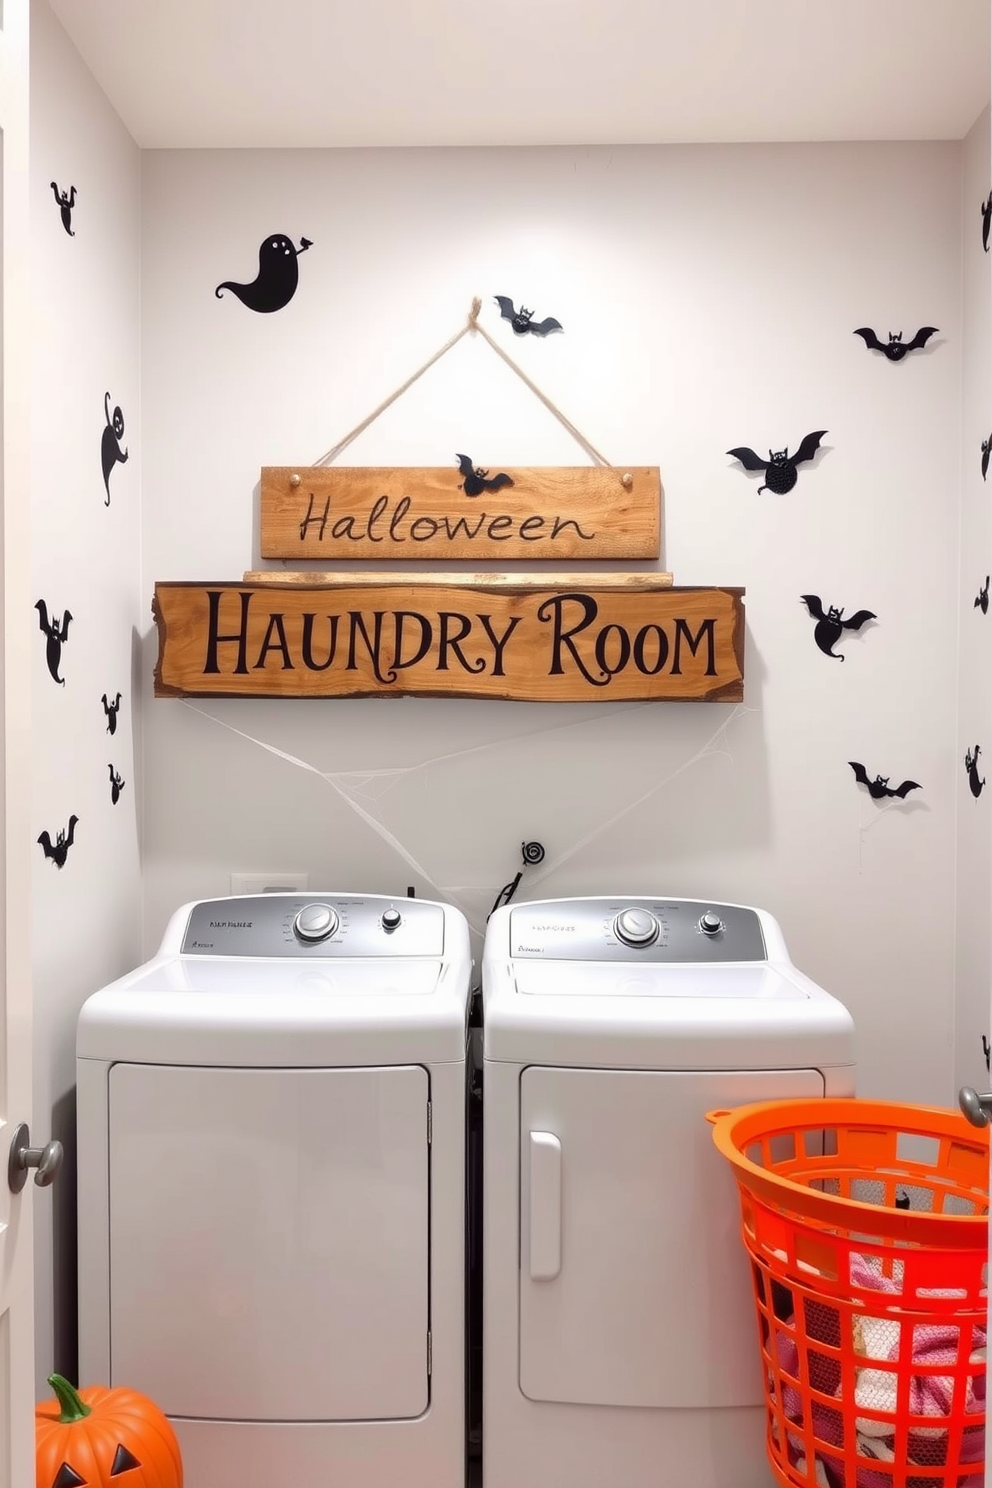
pixel 314 925
pixel 647 930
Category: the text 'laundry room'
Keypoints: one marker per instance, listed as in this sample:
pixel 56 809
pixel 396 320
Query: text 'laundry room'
pixel 496 547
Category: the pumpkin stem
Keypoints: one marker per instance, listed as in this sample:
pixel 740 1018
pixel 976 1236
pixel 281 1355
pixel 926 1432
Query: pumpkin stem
pixel 73 1407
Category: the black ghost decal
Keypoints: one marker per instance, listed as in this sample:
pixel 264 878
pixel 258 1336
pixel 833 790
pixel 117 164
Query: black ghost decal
pixel 111 710
pixel 123 1462
pixel 116 785
pixel 56 631
pixel 65 201
pixel 278 276
pixel 110 449
pixel 67 1477
pixel 975 785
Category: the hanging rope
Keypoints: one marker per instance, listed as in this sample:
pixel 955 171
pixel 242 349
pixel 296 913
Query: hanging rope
pixel 472 324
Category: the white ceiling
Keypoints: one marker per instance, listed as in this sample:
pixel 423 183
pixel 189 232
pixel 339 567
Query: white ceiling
pixel 513 72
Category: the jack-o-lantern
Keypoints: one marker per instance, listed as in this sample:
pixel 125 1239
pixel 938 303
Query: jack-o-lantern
pixel 103 1439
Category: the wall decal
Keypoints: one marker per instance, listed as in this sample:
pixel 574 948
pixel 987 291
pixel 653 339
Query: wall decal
pixel 548 513
pixel 986 451
pixel 58 850
pixel 111 710
pixel 568 638
pixel 117 784
pixel 478 480
pixel 986 220
pixel 830 626
pixel 971 765
pixel 521 319
pixel 111 453
pixel 65 201
pixel 278 275
pixel 987 1051
pixel 780 466
pixel 56 631
pixel 879 788
pixel 982 602
pixel 896 348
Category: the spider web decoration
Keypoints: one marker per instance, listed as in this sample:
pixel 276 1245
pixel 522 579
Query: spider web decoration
pixel 365 793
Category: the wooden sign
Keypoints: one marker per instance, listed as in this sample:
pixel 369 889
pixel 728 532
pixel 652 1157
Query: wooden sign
pixel 580 638
pixel 545 513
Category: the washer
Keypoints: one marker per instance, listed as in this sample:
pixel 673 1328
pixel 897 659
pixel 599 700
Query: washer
pixel 619 1342
pixel 271 1123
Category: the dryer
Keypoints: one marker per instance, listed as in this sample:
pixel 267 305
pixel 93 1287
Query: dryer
pixel 271 1126
pixel 619 1340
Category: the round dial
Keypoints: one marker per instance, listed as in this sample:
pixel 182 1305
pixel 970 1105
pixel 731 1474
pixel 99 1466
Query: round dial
pixel 315 922
pixel 636 927
pixel 391 920
pixel 710 923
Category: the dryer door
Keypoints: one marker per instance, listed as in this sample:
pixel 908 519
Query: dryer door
pixel 634 1285
pixel 269 1241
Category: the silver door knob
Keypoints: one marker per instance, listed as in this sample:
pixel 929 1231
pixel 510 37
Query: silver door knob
pixel 977 1108
pixel 46 1160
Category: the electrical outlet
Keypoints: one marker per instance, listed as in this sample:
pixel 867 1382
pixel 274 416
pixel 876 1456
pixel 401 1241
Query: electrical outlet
pixel 269 883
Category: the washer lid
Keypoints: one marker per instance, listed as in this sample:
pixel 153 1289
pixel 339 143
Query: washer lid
pixel 753 982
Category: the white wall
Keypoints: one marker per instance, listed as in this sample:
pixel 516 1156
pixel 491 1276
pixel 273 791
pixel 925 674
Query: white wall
pixel 84 559
pixel 974 854
pixel 709 297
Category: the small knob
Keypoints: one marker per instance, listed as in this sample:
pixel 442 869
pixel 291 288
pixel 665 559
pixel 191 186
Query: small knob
pixel 710 923
pixel 315 922
pixel 976 1107
pixel 636 927
pixel 47 1160
pixel 391 920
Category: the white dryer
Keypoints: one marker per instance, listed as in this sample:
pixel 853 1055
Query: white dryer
pixel 619 1340
pixel 271 1124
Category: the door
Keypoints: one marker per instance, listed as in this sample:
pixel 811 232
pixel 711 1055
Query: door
pixel 634 1287
pixel 269 1241
pixel 17 1386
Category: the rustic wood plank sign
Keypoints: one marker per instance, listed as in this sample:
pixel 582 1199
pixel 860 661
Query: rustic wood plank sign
pixel 541 512
pixel 579 638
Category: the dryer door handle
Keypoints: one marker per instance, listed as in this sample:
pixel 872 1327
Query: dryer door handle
pixel 545 1206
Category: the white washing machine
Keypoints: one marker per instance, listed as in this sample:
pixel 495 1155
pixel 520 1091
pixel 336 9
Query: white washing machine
pixel 619 1340
pixel 271 1123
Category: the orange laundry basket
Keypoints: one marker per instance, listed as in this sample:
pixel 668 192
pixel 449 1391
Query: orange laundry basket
pixel 867 1228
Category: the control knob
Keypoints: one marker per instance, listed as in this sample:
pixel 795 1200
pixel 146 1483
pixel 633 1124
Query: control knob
pixel 636 927
pixel 315 922
pixel 391 920
pixel 710 923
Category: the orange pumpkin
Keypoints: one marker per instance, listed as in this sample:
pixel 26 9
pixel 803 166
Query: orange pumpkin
pixel 104 1439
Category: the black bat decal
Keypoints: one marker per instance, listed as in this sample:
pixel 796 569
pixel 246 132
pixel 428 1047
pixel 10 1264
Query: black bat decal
pixel 780 465
pixel 521 319
pixel 117 784
pixel 56 631
pixel 830 626
pixel 986 451
pixel 111 711
pixel 896 348
pixel 971 765
pixel 986 220
pixel 58 850
pixel 879 788
pixel 478 480
pixel 65 201
pixel 982 601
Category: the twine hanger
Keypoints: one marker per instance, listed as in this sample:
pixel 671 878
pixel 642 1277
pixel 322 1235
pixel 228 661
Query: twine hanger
pixel 471 324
